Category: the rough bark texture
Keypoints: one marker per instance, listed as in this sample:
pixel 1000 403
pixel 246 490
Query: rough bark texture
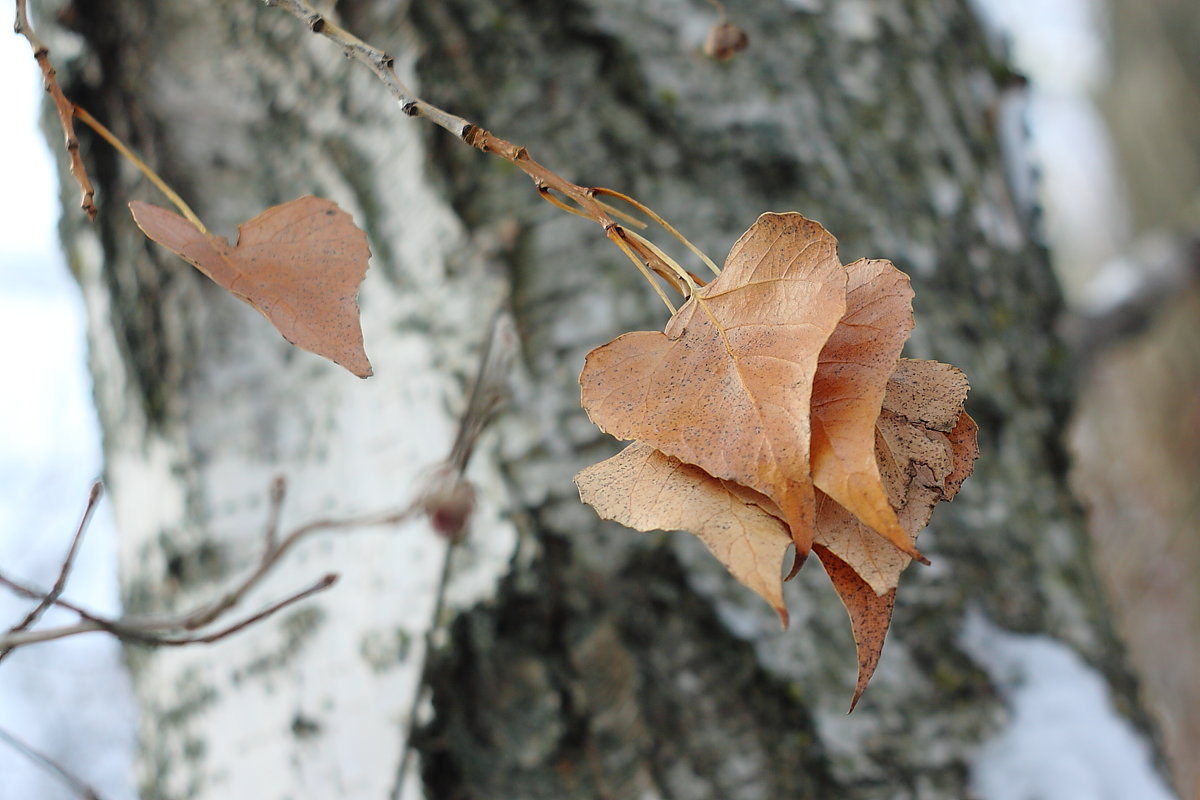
pixel 589 661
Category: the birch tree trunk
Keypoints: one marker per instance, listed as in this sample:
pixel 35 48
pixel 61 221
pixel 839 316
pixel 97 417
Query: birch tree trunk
pixel 582 660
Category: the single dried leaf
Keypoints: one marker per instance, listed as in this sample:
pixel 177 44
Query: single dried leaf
pixel 299 264
pixel 727 386
pixel 928 393
pixel 852 374
pixel 645 490
pixel 870 615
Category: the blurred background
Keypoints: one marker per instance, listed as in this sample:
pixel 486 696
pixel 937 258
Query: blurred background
pixel 1114 122
pixel 1109 118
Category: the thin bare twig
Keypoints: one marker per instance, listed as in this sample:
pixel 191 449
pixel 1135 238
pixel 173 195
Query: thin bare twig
pixel 61 582
pixel 143 631
pixel 50 765
pixel 207 614
pixel 489 388
pixel 175 630
pixel 449 499
pixel 22 638
pixel 142 166
pixel 64 106
pixel 546 180
pixel 413 707
pixel 326 581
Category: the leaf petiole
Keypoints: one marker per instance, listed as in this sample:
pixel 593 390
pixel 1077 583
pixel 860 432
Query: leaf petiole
pixel 142 166
pixel 668 227
pixel 617 235
pixel 684 276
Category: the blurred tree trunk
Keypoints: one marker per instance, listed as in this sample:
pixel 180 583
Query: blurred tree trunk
pixel 1137 430
pixel 584 660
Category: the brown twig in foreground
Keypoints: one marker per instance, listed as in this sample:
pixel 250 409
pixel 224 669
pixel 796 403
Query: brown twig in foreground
pixel 646 259
pixel 64 106
pixel 186 629
pixel 151 631
pixel 50 765
pixel 60 582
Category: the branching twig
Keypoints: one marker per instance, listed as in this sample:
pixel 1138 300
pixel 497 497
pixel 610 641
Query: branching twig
pixel 64 106
pixel 448 501
pixel 207 614
pixel 329 579
pixel 179 630
pixel 61 582
pixel 546 181
pixel 152 631
pixel 50 765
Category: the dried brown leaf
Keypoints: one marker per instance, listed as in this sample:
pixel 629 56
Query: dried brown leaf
pixel 928 393
pixel 645 490
pixel 299 264
pixel 852 375
pixel 870 615
pixel 964 445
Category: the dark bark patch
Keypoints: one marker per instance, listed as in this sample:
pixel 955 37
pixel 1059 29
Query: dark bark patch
pixel 610 688
pixel 305 727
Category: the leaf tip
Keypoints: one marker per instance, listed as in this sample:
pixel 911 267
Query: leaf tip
pixel 782 611
pixel 797 562
pixel 911 550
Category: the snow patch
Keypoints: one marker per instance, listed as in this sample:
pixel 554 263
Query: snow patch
pixel 1064 740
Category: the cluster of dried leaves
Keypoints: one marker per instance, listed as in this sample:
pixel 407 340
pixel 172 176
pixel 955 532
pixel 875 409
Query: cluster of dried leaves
pixel 774 411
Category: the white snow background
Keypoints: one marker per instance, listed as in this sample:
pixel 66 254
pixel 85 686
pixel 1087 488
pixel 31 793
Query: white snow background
pixel 71 700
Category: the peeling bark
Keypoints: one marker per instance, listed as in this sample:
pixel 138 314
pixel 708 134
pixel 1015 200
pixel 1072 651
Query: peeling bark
pixel 587 660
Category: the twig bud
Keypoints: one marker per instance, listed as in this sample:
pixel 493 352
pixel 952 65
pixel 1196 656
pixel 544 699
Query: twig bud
pixel 725 39
pixel 448 501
